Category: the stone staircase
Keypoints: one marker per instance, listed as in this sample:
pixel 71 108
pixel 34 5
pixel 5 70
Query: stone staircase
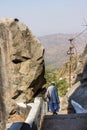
pixel 65 122
pixel 40 119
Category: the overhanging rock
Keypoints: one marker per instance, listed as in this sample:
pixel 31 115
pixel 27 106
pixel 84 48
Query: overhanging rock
pixel 22 63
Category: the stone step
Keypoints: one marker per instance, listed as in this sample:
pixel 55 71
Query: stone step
pixel 65 122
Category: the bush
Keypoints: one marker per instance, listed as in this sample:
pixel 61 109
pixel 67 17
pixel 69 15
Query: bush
pixel 61 84
pixel 62 87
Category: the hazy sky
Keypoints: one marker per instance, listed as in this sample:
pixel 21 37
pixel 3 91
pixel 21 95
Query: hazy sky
pixel 47 16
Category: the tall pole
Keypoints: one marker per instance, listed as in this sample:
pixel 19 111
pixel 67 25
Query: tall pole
pixel 70 53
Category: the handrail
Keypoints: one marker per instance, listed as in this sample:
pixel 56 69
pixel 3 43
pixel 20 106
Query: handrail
pixel 33 120
pixel 78 108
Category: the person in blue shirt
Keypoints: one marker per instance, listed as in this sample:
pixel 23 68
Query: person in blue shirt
pixel 53 98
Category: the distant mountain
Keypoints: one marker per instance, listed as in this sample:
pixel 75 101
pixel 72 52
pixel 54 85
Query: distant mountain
pixel 57 45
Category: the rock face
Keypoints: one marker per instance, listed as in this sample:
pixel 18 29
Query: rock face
pixel 78 90
pixel 79 93
pixel 21 63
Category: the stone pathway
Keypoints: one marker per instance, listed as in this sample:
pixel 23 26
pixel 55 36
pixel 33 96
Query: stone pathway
pixel 65 122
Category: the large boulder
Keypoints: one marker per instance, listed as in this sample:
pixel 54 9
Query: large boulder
pixel 21 63
pixel 78 92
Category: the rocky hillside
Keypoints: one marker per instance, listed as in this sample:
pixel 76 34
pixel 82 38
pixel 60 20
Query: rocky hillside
pixel 57 45
pixel 78 89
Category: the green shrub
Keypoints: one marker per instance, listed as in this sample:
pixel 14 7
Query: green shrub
pixel 62 85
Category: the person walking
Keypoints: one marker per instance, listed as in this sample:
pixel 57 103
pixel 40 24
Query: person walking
pixel 53 98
